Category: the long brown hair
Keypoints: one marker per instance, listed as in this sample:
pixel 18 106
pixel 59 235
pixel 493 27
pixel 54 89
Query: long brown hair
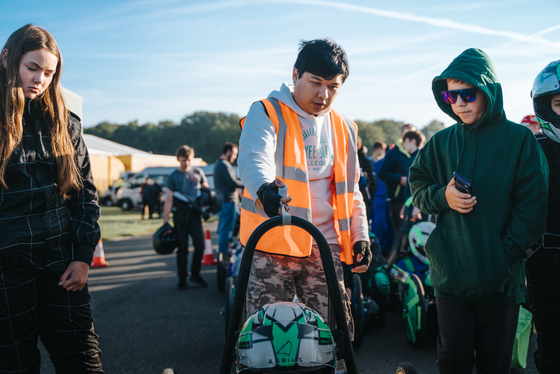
pixel 12 104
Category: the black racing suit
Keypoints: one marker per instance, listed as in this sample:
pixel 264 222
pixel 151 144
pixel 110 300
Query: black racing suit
pixel 543 270
pixel 40 235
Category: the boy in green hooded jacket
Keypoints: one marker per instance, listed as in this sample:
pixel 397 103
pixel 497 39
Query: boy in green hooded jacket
pixel 478 248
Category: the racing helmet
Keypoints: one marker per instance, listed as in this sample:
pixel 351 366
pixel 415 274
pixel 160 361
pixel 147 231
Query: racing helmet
pixel 417 238
pixel 285 337
pixel 546 84
pixel 165 239
pixel 211 198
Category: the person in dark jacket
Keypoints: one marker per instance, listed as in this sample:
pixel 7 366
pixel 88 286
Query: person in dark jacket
pixel 478 247
pixel 48 214
pixel 368 176
pixel 393 172
pixel 227 183
pixel 149 194
pixel 543 264
pixel 412 142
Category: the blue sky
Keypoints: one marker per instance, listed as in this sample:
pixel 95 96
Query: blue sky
pixel 152 60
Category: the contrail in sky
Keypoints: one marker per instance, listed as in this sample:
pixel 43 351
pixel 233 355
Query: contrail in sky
pixel 438 22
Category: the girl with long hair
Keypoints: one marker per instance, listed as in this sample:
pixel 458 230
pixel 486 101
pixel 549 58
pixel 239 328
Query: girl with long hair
pixel 48 214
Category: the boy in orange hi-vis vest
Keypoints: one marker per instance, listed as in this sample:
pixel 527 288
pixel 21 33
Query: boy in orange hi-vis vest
pixel 295 139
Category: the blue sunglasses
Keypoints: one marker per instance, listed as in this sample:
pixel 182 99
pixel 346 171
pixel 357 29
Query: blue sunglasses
pixel 467 94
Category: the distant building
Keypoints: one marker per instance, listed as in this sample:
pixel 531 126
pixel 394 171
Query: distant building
pixel 73 102
pixel 109 159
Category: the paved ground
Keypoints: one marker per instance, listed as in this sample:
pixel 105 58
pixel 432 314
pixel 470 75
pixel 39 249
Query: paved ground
pixel 146 324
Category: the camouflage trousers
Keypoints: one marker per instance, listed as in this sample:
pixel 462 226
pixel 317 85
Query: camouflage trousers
pixel 276 278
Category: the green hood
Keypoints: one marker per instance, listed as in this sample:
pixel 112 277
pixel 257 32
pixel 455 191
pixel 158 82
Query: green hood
pixel 479 256
pixel 473 66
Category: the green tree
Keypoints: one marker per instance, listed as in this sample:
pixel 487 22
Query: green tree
pixel 103 130
pixel 392 129
pixel 370 133
pixel 432 128
pixel 207 132
pixel 384 130
pixel 204 131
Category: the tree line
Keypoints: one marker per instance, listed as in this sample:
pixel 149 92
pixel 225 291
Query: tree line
pixel 207 132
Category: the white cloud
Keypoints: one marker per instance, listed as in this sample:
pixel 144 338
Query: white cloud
pixel 438 22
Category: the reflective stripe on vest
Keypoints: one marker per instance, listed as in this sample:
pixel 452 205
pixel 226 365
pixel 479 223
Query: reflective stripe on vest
pixel 291 168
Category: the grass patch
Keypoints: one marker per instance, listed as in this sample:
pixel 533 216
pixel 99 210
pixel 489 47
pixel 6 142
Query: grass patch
pixel 116 223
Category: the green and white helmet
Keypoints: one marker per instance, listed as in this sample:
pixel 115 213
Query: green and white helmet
pixel 417 238
pixel 546 84
pixel 285 337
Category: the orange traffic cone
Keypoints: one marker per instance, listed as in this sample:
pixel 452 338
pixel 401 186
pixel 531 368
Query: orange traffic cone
pixel 99 256
pixel 208 252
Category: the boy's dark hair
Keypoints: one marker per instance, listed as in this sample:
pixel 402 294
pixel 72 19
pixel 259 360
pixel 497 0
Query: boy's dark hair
pixel 322 57
pixel 378 145
pixel 415 135
pixel 229 146
pixel 185 151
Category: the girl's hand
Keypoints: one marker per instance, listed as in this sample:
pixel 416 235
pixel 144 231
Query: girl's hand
pixel 75 277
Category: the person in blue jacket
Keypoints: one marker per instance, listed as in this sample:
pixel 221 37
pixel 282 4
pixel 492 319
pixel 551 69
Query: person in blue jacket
pixel 393 172
pixel 381 224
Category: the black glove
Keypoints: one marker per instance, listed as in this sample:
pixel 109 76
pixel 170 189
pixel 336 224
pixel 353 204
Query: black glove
pixel 268 195
pixel 362 248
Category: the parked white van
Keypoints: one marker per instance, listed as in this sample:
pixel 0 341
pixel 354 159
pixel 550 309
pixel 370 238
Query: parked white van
pixel 129 197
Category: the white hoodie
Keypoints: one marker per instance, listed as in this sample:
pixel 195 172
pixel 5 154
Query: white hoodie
pixel 257 146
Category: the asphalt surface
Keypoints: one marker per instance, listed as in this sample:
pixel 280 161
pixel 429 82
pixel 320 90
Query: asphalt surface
pixel 146 324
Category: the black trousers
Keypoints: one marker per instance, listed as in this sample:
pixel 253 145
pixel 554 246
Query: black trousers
pixel 395 213
pixel 543 285
pixel 32 304
pixel 191 225
pixel 466 327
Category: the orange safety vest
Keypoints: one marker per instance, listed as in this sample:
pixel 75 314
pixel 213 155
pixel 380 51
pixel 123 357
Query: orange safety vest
pixel 291 168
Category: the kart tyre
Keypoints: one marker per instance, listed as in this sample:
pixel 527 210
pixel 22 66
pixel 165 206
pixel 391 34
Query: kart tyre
pixel 406 368
pixel 230 292
pixel 414 310
pixel 357 310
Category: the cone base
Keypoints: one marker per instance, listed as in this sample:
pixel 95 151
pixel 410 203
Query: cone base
pixel 100 264
pixel 209 260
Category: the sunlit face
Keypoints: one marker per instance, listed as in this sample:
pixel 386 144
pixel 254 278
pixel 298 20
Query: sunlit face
pixel 409 145
pixel 232 155
pixel 555 102
pixel 314 94
pixel 184 163
pixel 469 112
pixel 378 153
pixel 36 71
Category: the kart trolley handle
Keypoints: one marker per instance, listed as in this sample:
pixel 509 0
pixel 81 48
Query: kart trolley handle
pixel 243 279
